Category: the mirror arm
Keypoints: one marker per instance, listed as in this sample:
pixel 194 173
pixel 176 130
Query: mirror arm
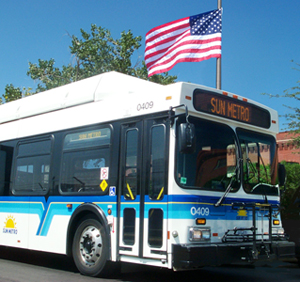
pixel 172 116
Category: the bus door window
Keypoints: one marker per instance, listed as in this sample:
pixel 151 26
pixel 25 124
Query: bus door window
pixel 157 163
pixel 129 215
pixel 155 225
pixel 130 185
pixel 157 184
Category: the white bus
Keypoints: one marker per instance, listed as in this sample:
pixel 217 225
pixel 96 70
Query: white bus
pixel 117 169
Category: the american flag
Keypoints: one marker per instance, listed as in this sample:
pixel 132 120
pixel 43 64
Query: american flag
pixel 191 39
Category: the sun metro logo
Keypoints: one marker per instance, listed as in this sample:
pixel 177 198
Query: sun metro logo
pixel 10 225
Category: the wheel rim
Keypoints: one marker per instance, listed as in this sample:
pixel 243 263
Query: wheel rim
pixel 90 245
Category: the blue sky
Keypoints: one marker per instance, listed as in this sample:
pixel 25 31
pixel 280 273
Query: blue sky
pixel 259 39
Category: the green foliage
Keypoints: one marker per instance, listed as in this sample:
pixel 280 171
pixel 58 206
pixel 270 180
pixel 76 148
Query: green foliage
pixel 293 118
pixel 164 78
pixel 48 75
pixel 290 207
pixel 13 93
pixel 293 175
pixel 95 53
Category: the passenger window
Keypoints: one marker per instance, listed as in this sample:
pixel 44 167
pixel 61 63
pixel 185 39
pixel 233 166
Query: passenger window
pixel 2 171
pixel 85 156
pixel 6 156
pixel 32 168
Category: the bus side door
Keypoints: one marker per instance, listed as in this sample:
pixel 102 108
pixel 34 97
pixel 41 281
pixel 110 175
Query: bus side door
pixel 143 182
pixel 130 178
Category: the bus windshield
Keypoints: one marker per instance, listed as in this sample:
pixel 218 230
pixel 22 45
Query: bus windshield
pixel 213 164
pixel 259 162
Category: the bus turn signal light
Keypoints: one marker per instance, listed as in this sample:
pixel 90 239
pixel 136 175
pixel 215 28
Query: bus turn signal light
pixel 200 221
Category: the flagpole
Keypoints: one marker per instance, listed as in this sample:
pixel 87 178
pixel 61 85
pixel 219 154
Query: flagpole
pixel 218 74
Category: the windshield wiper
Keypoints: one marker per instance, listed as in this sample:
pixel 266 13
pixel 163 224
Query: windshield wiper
pixel 220 201
pixel 252 168
pixel 265 169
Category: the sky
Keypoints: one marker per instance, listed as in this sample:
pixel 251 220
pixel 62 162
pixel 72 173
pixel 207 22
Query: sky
pixel 260 38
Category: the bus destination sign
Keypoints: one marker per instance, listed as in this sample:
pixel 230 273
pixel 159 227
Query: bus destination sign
pixel 231 108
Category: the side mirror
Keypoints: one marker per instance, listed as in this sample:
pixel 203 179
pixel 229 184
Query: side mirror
pixel 186 138
pixel 281 175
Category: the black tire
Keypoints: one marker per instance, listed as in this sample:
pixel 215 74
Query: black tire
pixel 90 248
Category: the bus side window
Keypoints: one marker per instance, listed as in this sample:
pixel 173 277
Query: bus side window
pixel 6 155
pixel 81 170
pixel 85 153
pixel 32 167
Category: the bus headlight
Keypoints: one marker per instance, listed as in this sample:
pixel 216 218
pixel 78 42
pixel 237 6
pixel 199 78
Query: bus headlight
pixel 198 234
pixel 278 231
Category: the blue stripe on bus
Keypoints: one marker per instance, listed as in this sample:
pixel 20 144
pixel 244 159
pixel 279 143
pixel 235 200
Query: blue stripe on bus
pixel 54 206
pixel 192 207
pixel 173 206
pixel 58 206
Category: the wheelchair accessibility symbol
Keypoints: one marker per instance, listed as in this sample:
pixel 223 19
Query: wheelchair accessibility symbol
pixel 112 191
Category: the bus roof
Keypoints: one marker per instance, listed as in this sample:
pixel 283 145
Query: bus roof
pixel 122 93
pixel 93 89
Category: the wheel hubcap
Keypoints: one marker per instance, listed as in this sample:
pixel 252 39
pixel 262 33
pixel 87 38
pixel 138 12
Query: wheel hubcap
pixel 90 245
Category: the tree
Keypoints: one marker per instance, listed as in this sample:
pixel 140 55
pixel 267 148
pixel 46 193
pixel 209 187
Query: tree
pixel 49 76
pixel 293 118
pixel 95 53
pixel 164 78
pixel 13 93
pixel 289 201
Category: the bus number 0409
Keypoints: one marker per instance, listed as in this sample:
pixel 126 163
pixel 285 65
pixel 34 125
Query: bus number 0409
pixel 145 106
pixel 200 211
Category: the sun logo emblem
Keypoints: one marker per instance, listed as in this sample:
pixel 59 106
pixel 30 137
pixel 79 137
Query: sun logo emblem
pixel 10 225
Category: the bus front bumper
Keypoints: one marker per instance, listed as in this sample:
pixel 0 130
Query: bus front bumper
pixel 195 256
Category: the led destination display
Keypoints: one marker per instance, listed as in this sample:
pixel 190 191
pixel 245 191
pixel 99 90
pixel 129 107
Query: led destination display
pixel 232 108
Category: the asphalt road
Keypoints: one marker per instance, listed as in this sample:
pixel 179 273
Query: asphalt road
pixel 23 266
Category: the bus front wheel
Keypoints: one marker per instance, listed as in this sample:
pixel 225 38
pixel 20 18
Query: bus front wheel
pixel 90 248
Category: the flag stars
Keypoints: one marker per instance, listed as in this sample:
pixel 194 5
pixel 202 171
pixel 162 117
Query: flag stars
pixel 206 23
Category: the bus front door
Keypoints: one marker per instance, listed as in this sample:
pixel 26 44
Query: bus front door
pixel 143 183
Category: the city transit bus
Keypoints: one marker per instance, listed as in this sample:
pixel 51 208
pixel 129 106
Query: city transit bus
pixel 117 169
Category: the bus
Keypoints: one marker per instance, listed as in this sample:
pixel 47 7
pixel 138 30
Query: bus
pixel 115 169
